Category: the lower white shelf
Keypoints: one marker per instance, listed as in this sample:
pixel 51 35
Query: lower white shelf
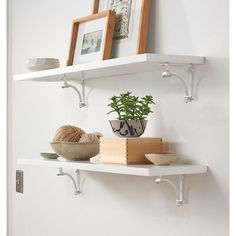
pixel 140 170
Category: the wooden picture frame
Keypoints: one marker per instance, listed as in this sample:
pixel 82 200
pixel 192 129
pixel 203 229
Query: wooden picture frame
pixel 141 38
pixel 108 19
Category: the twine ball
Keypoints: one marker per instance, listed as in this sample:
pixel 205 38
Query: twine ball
pixel 68 133
pixel 90 138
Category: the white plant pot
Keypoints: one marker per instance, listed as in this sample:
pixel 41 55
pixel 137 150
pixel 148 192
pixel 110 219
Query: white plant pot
pixel 128 128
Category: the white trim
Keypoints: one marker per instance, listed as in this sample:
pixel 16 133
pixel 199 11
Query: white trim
pixel 3 112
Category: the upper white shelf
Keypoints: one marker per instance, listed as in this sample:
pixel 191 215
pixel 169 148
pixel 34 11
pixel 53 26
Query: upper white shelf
pixel 109 68
pixel 140 170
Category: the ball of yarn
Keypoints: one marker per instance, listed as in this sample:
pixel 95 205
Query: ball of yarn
pixel 68 133
pixel 90 138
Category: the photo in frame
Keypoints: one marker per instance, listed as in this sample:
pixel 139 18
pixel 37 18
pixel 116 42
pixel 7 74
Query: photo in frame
pixel 131 29
pixel 91 38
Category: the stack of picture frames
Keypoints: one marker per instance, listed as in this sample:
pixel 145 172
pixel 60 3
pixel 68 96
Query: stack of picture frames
pixel 116 28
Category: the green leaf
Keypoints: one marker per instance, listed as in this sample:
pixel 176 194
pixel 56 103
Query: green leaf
pixel 129 107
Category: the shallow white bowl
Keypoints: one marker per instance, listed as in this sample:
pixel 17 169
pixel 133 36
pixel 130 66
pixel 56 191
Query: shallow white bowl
pixel 75 151
pixel 161 158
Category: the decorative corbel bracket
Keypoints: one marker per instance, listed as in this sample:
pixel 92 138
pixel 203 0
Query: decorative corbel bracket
pixel 82 99
pixel 179 189
pixel 187 83
pixel 76 181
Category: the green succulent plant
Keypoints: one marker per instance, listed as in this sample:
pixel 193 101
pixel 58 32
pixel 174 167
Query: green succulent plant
pixel 129 107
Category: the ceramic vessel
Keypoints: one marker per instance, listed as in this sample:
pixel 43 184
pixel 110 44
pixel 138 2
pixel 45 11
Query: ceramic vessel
pixel 128 128
pixel 161 158
pixel 49 155
pixel 37 64
pixel 75 151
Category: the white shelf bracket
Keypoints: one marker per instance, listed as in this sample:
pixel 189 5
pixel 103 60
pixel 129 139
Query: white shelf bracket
pixel 76 181
pixel 82 99
pixel 187 83
pixel 179 189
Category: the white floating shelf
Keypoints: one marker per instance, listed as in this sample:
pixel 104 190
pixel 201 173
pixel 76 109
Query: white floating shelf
pixel 140 170
pixel 109 68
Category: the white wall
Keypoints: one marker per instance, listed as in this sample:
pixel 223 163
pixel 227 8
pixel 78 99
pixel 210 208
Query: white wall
pixel 114 204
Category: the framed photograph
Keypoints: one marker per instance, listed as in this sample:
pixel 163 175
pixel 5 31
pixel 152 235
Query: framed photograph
pixel 131 29
pixel 91 38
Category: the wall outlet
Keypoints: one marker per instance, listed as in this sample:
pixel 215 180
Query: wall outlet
pixel 19 181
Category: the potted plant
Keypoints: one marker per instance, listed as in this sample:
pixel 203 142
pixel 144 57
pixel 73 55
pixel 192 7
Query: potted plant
pixel 132 112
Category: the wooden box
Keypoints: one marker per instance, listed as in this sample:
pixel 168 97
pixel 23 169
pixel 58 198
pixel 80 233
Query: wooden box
pixel 128 151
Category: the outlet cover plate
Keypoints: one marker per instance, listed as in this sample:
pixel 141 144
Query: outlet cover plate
pixel 19 181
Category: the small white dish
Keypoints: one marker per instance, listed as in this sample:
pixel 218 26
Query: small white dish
pixel 161 159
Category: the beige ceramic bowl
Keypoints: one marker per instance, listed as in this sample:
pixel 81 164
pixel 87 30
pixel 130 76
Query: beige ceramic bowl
pixel 37 64
pixel 161 158
pixel 75 151
pixel 49 155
